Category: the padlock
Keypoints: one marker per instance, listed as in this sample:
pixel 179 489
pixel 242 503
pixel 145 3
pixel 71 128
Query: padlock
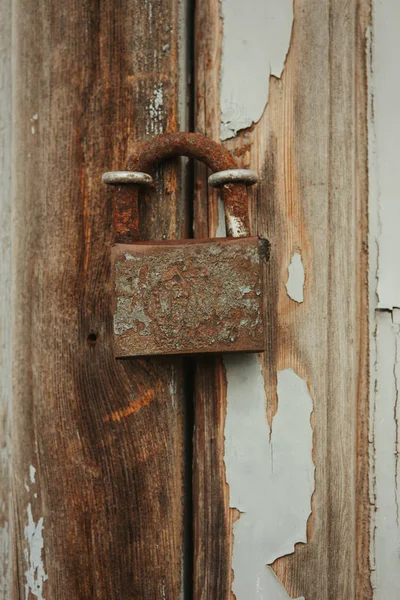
pixel 189 296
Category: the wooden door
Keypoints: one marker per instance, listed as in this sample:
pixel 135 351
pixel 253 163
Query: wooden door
pixel 251 477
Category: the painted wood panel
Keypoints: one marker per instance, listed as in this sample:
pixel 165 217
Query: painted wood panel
pixel 294 484
pixel 98 444
pixel 384 281
pixel 5 297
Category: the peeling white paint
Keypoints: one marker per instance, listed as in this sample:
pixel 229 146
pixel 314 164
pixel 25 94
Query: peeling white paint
pixel 33 120
pixel 255 44
pixel 296 279
pixel 373 235
pixel 270 474
pixel 385 91
pixel 386 534
pixel 32 473
pixel 35 573
pixel 155 111
pixel 163 591
pixel 396 315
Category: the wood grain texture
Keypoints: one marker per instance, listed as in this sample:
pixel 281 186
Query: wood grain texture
pixel 98 443
pixel 310 149
pixel 212 518
pixel 5 297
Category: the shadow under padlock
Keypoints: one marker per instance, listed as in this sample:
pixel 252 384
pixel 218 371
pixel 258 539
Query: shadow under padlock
pixel 188 296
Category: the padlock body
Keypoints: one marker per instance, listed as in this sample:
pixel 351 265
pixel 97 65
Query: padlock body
pixel 188 297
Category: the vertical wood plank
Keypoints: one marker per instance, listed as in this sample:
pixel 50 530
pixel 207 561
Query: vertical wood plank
pixel 309 147
pixel 98 443
pixel 5 296
pixel 212 576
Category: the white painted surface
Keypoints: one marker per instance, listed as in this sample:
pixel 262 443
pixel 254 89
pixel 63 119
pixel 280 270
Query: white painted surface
pixel 384 282
pixel 270 474
pixel 385 90
pixel 385 444
pixel 5 295
pixel 255 43
pixel 296 279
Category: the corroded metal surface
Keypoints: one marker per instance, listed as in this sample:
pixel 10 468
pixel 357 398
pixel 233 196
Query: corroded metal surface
pixel 168 145
pixel 188 297
pixel 221 178
pixel 129 177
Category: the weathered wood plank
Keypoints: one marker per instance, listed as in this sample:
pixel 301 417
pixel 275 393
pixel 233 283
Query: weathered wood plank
pixel 212 518
pixel 5 296
pixel 98 443
pixel 310 148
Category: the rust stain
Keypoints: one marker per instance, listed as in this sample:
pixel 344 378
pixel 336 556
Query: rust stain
pixel 189 297
pixel 168 145
pixel 134 406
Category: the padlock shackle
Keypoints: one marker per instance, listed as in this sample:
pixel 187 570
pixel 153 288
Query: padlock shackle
pixel 192 145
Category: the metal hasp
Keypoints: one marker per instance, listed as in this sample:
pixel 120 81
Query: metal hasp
pixel 188 296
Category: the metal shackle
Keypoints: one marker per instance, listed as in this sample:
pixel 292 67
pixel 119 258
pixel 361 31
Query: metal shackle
pixel 193 145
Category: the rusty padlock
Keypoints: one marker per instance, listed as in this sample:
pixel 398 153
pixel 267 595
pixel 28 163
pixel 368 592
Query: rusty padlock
pixel 189 296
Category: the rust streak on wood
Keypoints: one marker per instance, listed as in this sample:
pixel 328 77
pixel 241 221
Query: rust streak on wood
pixel 143 400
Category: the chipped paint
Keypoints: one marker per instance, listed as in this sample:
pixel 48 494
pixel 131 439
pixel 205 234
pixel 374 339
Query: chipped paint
pixel 386 533
pixel 373 235
pixel 256 33
pixel 33 120
pixel 35 574
pixel 155 111
pixel 32 473
pixel 385 92
pixel 396 315
pixel 384 285
pixel 296 279
pixel 270 474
